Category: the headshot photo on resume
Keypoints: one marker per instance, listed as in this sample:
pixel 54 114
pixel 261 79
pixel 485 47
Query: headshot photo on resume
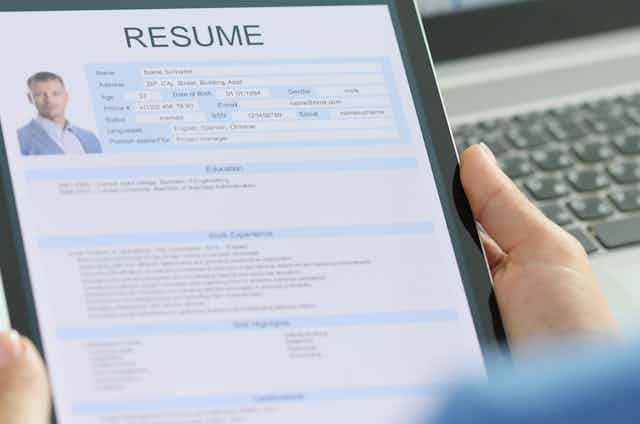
pixel 50 132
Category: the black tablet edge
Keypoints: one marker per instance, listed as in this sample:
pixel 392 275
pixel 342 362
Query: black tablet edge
pixel 434 125
pixel 15 272
pixel 442 153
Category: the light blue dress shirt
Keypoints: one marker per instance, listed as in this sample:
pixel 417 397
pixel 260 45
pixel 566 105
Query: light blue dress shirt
pixel 63 136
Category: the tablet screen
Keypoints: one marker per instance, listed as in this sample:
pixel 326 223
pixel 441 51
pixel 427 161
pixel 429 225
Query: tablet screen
pixel 229 216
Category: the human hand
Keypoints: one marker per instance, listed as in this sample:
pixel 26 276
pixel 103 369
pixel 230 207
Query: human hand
pixel 543 281
pixel 24 391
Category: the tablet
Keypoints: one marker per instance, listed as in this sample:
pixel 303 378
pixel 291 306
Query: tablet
pixel 236 212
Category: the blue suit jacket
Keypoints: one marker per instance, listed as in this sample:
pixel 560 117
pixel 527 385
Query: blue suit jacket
pixel 35 141
pixel 601 387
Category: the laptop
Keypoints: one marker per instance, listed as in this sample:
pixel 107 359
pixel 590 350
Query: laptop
pixel 553 87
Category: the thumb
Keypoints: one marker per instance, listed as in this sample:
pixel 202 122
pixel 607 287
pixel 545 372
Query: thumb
pixel 504 211
pixel 24 390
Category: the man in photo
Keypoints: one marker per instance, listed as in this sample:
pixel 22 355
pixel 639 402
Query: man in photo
pixel 50 133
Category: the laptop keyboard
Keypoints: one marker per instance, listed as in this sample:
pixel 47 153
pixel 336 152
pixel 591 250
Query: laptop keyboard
pixel 580 165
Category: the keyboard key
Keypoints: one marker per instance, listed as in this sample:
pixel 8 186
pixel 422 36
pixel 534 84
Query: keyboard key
pixel 594 151
pixel 464 130
pixel 620 233
pixel 494 124
pixel 591 208
pixel 565 113
pixel 516 167
pixel 634 115
pixel 463 142
pixel 626 201
pixel 633 100
pixel 628 144
pixel 466 141
pixel 569 115
pixel 558 214
pixel 607 124
pixel 552 160
pixel 466 135
pixel 531 118
pixel 588 180
pixel 609 107
pixel 621 102
pixel 567 130
pixel 625 173
pixel 497 142
pixel 589 245
pixel 528 138
pixel 460 144
pixel 547 188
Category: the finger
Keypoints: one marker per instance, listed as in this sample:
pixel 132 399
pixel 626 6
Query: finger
pixel 497 203
pixel 495 255
pixel 24 390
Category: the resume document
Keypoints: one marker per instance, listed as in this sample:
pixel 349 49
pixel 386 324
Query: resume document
pixel 248 228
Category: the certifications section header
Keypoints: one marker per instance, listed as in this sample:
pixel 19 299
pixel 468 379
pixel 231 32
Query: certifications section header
pixel 208 105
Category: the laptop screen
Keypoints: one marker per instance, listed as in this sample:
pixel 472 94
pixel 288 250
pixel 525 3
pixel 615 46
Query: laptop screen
pixel 464 28
pixel 438 7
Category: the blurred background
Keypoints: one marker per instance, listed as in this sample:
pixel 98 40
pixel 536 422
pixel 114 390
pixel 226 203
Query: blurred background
pixel 553 88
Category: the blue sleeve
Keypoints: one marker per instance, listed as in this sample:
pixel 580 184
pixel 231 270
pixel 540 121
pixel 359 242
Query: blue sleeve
pixel 96 146
pixel 23 141
pixel 601 389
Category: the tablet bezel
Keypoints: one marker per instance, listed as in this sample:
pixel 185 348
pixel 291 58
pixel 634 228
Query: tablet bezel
pixel 433 121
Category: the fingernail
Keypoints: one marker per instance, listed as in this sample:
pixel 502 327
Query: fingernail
pixel 10 347
pixel 488 152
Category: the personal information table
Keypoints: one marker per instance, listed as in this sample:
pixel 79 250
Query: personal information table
pixel 152 106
